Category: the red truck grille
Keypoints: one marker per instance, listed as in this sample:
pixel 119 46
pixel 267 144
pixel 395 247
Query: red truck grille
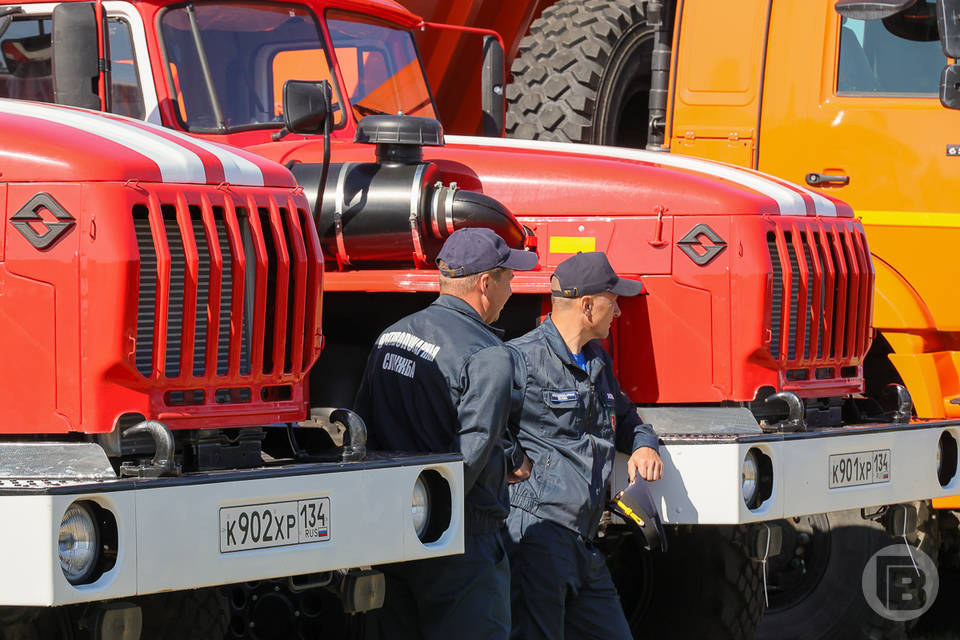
pixel 228 286
pixel 822 293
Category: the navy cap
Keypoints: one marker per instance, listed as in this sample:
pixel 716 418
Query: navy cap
pixel 585 274
pixel 477 249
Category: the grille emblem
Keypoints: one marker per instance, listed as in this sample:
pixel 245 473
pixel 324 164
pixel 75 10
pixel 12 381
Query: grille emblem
pixel 30 213
pixel 701 253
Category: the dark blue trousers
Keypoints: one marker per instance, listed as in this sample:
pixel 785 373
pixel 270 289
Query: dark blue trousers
pixel 561 588
pixel 465 596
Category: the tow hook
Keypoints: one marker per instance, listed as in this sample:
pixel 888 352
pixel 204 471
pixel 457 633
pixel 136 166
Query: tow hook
pixel 904 409
pixel 355 437
pixel 162 463
pixel 794 420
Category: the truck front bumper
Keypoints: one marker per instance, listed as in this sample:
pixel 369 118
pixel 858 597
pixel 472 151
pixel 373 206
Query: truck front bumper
pixel 703 474
pixel 171 532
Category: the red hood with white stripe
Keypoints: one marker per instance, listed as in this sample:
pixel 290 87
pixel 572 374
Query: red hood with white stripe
pixel 535 178
pixel 52 143
pixel 632 181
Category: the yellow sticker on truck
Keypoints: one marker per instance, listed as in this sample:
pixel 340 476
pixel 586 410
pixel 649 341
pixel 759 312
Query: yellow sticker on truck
pixel 572 244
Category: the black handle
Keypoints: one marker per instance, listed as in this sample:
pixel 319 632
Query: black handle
pixel 816 179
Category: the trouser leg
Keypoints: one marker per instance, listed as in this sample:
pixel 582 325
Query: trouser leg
pixel 595 613
pixel 471 597
pixel 543 578
pixel 464 596
pixel 398 618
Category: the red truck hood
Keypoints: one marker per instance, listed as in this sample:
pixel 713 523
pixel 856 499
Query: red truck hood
pixel 52 143
pixel 552 178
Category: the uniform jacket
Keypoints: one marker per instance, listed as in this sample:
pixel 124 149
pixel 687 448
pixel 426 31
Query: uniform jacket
pixel 568 422
pixel 439 380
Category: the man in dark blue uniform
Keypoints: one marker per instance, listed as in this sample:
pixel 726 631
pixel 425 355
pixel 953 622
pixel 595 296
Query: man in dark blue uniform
pixel 440 380
pixel 569 415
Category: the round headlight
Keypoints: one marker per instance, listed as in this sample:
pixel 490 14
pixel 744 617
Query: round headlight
pixel 748 477
pixel 79 543
pixel 420 506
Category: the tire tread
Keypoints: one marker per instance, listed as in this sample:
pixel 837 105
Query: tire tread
pixel 559 68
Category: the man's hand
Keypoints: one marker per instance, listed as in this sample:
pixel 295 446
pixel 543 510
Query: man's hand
pixel 521 474
pixel 646 463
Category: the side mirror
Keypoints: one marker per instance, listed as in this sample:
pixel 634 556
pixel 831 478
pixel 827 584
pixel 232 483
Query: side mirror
pixel 950 86
pixel 492 92
pixel 871 9
pixel 948 23
pixel 306 105
pixel 76 59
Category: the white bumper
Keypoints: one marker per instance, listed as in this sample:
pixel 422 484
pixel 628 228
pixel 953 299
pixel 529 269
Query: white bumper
pixel 702 477
pixel 169 529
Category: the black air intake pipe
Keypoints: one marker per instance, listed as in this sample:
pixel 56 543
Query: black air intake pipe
pixel 396 210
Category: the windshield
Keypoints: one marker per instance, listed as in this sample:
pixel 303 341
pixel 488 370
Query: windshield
pixel 234 78
pixel 380 67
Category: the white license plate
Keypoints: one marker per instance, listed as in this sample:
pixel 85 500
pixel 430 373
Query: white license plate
pixel 274 524
pixel 859 468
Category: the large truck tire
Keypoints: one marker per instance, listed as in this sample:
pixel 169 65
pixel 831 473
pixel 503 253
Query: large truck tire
pixel 194 614
pixel 704 586
pixel 582 74
pixel 815 583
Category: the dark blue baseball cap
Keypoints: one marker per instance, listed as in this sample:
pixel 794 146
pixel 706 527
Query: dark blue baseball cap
pixel 585 274
pixel 477 249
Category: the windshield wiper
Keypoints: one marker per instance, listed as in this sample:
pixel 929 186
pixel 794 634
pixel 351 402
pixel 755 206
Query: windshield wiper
pixel 205 68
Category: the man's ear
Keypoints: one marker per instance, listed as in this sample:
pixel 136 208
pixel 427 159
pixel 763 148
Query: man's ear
pixel 483 282
pixel 586 306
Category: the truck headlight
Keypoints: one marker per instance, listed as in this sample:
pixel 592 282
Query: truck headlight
pixel 420 506
pixel 78 543
pixel 748 477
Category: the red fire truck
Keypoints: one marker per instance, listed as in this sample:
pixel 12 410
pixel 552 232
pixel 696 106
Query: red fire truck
pixel 161 303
